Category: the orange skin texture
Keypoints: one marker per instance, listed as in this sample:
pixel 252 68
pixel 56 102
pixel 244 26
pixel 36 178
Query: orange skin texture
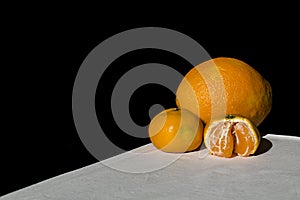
pixel 239 86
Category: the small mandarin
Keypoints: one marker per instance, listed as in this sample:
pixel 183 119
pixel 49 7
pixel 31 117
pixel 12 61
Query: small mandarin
pixel 176 130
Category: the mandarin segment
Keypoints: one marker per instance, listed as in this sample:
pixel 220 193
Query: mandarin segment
pixel 221 142
pixel 244 144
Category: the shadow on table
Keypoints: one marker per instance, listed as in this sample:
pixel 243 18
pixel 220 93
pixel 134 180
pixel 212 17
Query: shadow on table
pixel 201 147
pixel 264 146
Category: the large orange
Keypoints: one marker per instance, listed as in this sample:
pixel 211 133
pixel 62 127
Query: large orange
pixel 223 86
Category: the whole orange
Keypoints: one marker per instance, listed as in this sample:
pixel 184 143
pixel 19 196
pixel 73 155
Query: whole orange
pixel 176 130
pixel 222 86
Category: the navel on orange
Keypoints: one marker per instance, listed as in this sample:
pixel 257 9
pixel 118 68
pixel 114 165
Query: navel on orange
pixel 176 130
pixel 231 135
pixel 223 86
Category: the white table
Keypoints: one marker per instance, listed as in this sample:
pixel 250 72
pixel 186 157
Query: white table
pixel 146 173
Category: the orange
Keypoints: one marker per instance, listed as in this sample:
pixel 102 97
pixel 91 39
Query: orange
pixel 223 86
pixel 176 130
pixel 231 135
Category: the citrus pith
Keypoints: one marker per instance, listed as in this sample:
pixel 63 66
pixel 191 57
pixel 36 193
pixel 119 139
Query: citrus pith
pixel 231 135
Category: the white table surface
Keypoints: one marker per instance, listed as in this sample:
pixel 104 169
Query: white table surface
pixel 146 173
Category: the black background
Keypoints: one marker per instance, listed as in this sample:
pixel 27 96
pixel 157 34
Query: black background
pixel 43 52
